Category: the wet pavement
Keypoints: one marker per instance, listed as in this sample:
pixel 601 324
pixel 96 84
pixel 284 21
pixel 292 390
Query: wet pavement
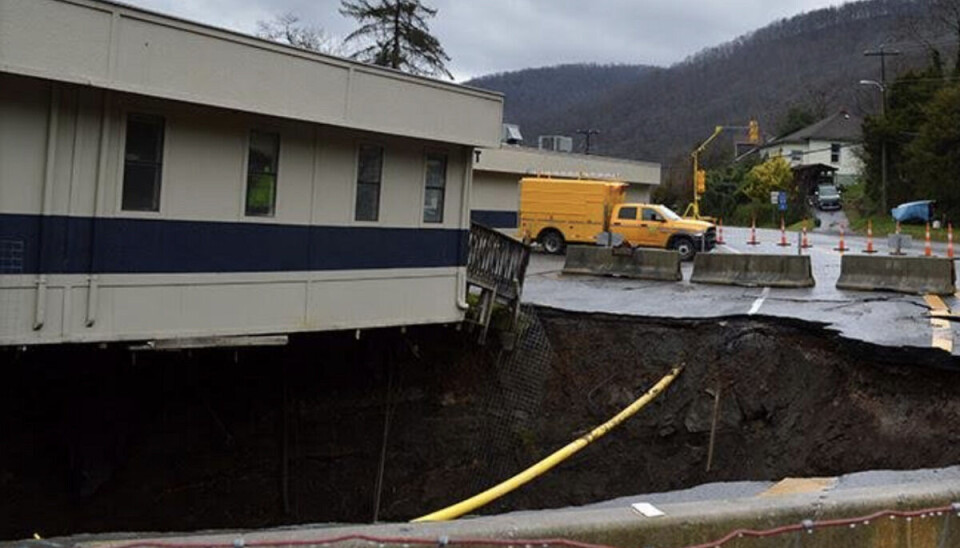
pixel 832 221
pixel 889 319
pixel 725 491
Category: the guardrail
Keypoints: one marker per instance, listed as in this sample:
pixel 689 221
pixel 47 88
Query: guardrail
pixel 497 264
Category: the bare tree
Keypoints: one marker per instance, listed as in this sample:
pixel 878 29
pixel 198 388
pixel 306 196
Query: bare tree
pixel 945 14
pixel 286 29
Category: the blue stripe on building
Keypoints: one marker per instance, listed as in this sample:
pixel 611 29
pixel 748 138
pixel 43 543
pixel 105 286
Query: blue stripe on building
pixel 79 245
pixel 494 219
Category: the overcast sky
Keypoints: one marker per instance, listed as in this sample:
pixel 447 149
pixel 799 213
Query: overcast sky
pixel 485 36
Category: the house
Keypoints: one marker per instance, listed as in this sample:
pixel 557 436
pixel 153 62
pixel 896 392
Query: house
pixel 497 172
pixel 835 141
pixel 164 179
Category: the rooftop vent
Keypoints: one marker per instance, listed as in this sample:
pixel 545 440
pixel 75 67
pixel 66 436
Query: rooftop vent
pixel 511 134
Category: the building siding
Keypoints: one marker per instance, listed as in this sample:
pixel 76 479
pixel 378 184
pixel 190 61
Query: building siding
pixel 200 266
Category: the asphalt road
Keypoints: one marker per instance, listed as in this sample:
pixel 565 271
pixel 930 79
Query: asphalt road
pixel 889 319
pixel 832 221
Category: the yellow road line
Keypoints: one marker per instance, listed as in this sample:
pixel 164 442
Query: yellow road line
pixel 793 486
pixel 942 330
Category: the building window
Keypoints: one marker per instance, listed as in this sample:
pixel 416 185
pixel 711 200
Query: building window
pixel 796 156
pixel 369 173
pixel 436 181
pixel 143 163
pixel 262 161
pixel 835 153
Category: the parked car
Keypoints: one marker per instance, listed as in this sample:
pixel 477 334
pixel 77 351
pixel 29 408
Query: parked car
pixel 827 197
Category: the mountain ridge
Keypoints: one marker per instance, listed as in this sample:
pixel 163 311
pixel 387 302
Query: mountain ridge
pixel 814 59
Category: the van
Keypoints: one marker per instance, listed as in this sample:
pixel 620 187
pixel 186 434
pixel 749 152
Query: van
pixel 558 212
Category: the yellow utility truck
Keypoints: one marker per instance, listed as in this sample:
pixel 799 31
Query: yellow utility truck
pixel 556 212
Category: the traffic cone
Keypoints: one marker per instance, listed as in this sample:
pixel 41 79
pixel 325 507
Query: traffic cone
pixel 720 240
pixel 806 242
pixel 927 249
pixel 842 247
pixel 869 248
pixel 950 240
pixel 753 233
pixel 783 234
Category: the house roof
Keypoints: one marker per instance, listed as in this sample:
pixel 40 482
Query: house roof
pixel 841 126
pixel 814 167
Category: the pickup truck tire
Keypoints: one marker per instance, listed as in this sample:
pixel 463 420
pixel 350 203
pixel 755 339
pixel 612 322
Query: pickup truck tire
pixel 684 247
pixel 552 242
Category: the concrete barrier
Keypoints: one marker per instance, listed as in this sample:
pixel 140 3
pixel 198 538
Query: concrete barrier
pixel 918 275
pixel 637 263
pixel 753 270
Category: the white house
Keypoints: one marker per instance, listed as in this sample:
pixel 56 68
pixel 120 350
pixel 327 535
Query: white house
pixel 835 141
pixel 163 179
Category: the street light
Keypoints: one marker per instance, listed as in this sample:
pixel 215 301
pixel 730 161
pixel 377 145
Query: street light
pixel 883 142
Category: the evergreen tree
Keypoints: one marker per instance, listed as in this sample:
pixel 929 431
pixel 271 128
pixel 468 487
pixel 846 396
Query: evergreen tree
pixel 933 158
pixel 796 118
pixel 396 35
pixel 907 100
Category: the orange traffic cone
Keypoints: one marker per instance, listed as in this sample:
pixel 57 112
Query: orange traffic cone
pixel 806 242
pixel 783 234
pixel 950 240
pixel 842 247
pixel 927 249
pixel 753 233
pixel 869 248
pixel 720 240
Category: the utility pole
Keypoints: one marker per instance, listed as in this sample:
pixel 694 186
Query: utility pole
pixel 587 133
pixel 883 53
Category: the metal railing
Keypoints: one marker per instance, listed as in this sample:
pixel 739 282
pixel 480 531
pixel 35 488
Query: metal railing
pixel 497 262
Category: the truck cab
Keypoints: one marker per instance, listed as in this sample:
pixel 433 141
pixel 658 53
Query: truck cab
pixel 651 225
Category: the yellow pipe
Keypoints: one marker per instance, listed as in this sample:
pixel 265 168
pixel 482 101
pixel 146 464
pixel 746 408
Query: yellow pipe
pixel 476 501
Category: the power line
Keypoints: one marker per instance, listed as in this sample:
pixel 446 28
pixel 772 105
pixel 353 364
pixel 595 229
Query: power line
pixel 882 53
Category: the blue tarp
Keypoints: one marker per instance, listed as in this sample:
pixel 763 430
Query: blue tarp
pixel 921 211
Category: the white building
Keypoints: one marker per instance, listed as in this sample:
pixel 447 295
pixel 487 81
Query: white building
pixel 163 179
pixel 835 141
pixel 497 172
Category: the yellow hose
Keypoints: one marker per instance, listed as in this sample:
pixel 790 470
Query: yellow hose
pixel 476 501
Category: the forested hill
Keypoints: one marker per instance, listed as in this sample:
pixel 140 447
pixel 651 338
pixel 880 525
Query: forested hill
pixel 814 60
pixel 540 93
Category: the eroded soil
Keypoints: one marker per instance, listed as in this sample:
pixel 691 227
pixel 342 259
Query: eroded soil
pixel 96 440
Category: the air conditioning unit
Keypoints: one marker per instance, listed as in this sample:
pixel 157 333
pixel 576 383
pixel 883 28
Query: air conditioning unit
pixel 556 143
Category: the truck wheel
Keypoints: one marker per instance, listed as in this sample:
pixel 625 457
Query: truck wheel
pixel 684 247
pixel 552 242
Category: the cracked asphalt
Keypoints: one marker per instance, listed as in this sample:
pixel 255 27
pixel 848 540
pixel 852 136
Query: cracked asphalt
pixel 888 319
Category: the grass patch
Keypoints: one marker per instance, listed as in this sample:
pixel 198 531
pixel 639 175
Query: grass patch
pixel 798 226
pixel 884 225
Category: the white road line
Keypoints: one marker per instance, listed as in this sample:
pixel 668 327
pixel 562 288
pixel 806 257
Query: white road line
pixel 759 302
pixel 728 248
